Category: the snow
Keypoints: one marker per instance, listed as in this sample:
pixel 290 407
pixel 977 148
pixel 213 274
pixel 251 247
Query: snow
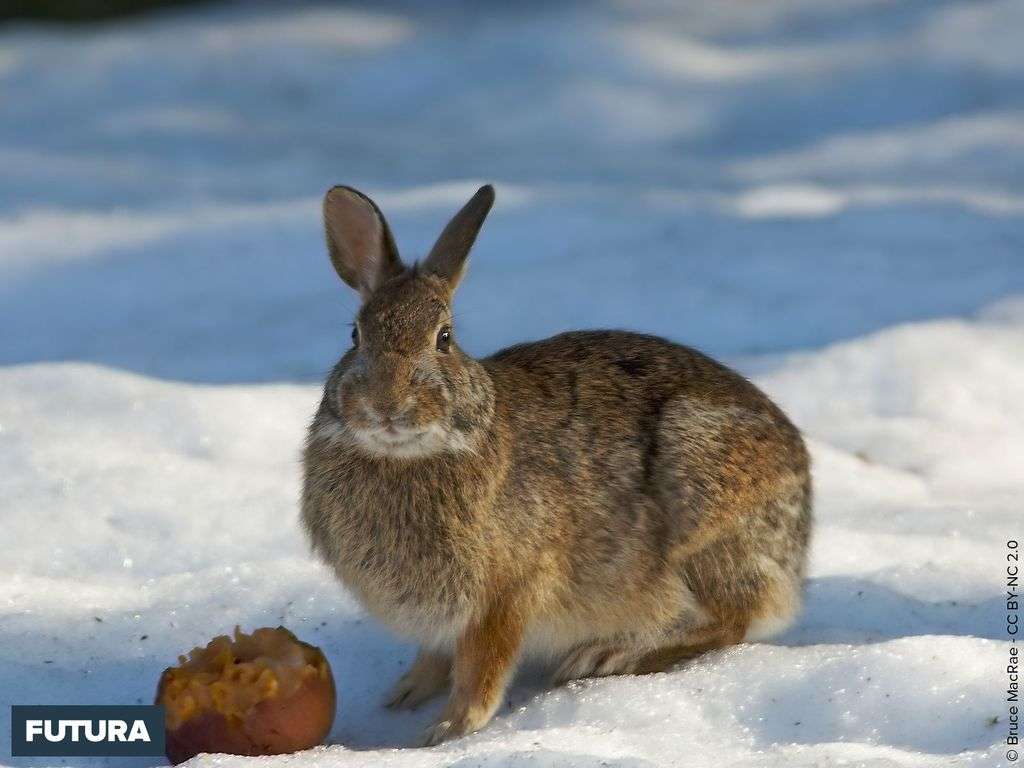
pixel 827 195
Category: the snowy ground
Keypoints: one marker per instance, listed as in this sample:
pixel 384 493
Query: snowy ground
pixel 828 195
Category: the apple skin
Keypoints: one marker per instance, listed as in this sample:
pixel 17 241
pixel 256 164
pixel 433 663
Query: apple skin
pixel 273 726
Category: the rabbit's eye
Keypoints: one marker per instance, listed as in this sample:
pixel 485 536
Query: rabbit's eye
pixel 355 335
pixel 444 339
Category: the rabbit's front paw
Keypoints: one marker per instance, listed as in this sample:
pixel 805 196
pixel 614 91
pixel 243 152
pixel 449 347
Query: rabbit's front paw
pixel 454 726
pixel 427 678
pixel 410 691
pixel 440 731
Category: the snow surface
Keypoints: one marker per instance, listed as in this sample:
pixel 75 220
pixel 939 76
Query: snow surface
pixel 828 195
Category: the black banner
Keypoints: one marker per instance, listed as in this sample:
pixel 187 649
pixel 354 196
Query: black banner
pixel 87 731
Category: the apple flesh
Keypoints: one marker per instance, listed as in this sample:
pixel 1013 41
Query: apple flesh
pixel 264 693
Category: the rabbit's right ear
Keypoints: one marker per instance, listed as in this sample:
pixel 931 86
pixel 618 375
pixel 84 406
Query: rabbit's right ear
pixel 359 240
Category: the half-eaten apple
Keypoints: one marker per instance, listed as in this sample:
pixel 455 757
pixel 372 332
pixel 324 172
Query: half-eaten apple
pixel 264 693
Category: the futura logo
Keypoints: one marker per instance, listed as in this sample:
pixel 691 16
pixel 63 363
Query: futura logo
pixel 87 731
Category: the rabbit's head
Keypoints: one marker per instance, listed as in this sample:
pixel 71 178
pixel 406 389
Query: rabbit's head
pixel 405 388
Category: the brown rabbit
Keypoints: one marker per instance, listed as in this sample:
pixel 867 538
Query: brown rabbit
pixel 609 499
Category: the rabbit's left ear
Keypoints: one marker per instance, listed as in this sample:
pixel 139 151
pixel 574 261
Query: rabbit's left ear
pixel 447 259
pixel 359 240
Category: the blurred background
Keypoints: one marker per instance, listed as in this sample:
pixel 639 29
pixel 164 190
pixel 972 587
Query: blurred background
pixel 745 177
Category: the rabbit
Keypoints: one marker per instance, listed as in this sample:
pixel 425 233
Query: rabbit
pixel 612 502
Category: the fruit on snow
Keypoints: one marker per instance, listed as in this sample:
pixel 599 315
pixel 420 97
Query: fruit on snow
pixel 264 693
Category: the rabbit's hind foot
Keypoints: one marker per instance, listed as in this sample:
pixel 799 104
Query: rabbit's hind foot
pixel 597 659
pixel 691 645
pixel 604 658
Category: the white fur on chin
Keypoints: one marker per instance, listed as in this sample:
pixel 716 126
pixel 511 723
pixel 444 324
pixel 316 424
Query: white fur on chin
pixel 402 444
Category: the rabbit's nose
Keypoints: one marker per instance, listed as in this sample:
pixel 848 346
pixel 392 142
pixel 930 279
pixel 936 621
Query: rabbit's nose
pixel 383 408
pixel 389 411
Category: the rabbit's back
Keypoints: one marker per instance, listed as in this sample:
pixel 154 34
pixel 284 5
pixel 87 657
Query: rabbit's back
pixel 631 411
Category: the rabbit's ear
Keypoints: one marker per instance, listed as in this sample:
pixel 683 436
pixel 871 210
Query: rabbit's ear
pixel 447 258
pixel 359 240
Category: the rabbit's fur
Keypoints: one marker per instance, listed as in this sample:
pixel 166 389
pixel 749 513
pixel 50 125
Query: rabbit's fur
pixel 613 500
